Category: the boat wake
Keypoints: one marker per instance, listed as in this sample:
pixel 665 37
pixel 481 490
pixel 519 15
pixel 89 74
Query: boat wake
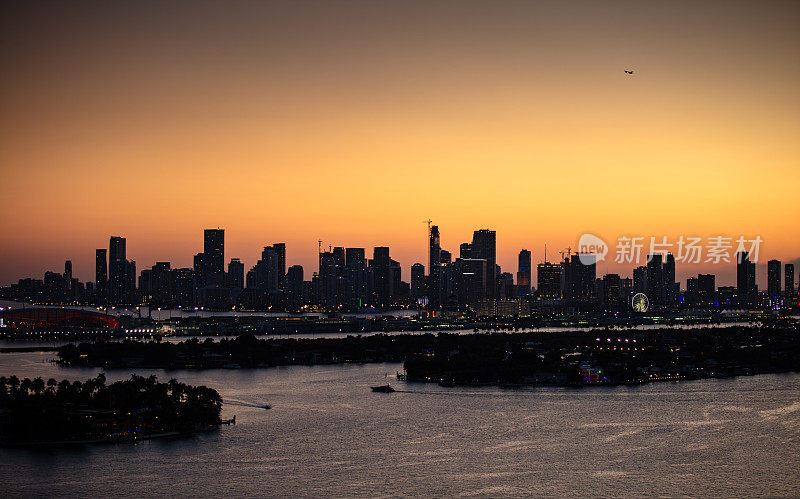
pixel 242 403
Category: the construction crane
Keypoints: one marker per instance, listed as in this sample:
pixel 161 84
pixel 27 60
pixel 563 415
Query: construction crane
pixel 429 222
pixel 567 251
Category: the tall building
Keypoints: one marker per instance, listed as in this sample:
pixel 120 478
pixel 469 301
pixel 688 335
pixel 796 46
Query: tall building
pixel 355 258
pixel 185 287
pixel 640 279
pixel 579 272
pixel 524 271
pixel 505 285
pixel 356 278
pixel 548 281
pixel 200 268
pixel 214 249
pixel 116 248
pixel 671 292
pixel 625 290
pixel 774 278
pixel 471 282
pixel 235 274
pixel 145 286
pixel 269 272
pixel 162 284
pixel 383 276
pixel 294 288
pixel 746 288
pixel 417 281
pixel 484 246
pixel 706 289
pixel 121 272
pixel 100 273
pixel 465 250
pixel 611 291
pixel 330 274
pixel 655 279
pixel 280 254
pixel 213 259
pixel 434 268
pixel 68 269
pixel 400 289
pixel 434 249
pixel 339 255
pixel 789 279
pixel 69 282
pixel 701 290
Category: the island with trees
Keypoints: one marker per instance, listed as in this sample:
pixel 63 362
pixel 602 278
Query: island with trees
pixel 569 358
pixel 34 411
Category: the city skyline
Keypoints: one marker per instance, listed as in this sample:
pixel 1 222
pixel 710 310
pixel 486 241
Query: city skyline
pixel 278 122
pixel 348 248
pixel 214 240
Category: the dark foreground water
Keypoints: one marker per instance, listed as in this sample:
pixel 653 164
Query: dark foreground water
pixel 328 434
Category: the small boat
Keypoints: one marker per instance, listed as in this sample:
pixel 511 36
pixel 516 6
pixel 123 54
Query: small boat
pixel 383 389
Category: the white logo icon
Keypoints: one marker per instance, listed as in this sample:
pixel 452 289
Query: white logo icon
pixel 591 249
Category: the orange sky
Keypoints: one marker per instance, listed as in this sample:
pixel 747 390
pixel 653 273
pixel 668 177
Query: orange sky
pixel 353 122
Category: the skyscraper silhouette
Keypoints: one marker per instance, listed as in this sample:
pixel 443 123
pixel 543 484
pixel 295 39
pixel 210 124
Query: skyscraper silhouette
pixel 280 252
pixel 382 266
pixel 774 278
pixel 417 281
pixel 671 292
pixel 655 279
pixel 745 279
pixel 235 274
pixel 119 271
pixel 100 274
pixel 214 256
pixel 484 246
pixel 294 287
pixel 524 271
pixel 434 269
pixel 548 281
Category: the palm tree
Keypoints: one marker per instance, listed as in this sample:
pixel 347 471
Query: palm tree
pixel 13 382
pixel 63 388
pixel 37 385
pixel 25 385
pixel 77 387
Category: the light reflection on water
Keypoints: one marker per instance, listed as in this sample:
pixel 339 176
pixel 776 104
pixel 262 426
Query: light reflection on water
pixel 327 433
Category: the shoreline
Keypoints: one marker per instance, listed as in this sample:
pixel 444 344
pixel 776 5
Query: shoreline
pixel 112 440
pixel 498 384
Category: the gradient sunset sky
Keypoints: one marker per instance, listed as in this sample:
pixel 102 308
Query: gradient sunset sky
pixel 352 122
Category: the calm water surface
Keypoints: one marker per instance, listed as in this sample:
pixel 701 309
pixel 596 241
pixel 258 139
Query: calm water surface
pixel 327 433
